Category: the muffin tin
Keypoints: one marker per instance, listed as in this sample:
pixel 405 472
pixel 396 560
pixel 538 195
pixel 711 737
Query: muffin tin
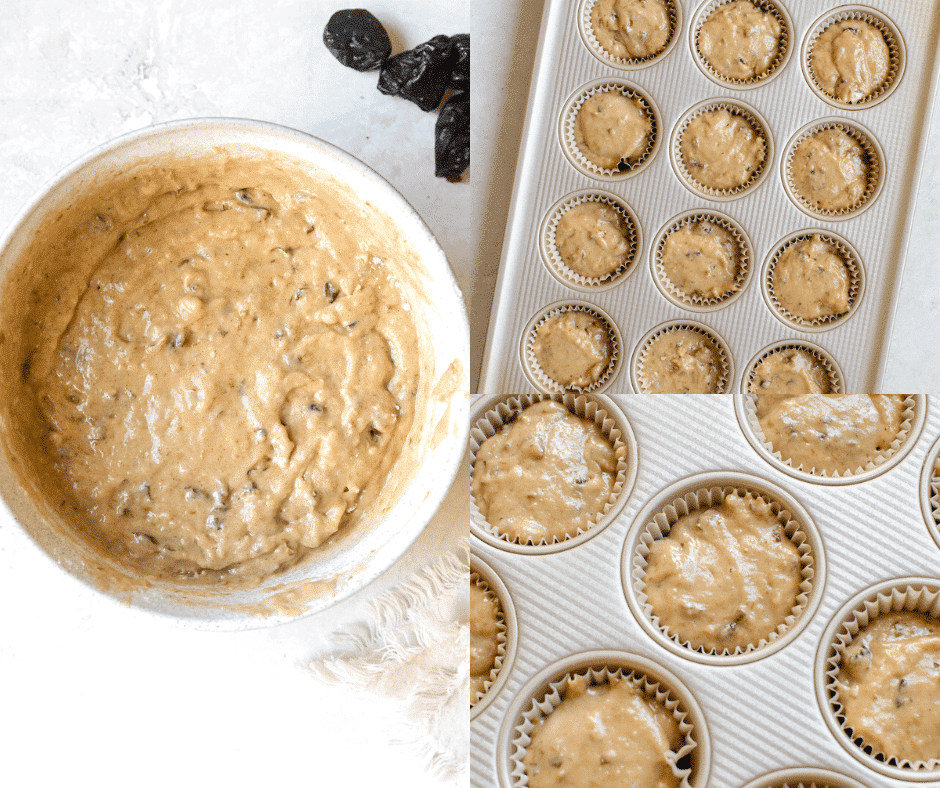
pixel 763 717
pixel 787 104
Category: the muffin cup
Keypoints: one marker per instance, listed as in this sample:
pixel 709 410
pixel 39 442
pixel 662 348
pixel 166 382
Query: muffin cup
pixel 836 384
pixel 494 413
pixel 930 491
pixel 803 778
pixel 911 425
pixel 783 51
pixel 896 52
pixel 507 635
pixel 874 158
pixel 743 255
pixel 540 378
pixel 920 594
pixel 567 126
pixel 742 110
pixel 699 493
pixel 553 260
pixel 542 695
pixel 849 256
pixel 586 29
pixel 724 354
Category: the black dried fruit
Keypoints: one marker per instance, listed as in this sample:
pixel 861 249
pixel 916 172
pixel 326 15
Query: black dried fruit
pixel 452 138
pixel 420 74
pixel 460 62
pixel 357 39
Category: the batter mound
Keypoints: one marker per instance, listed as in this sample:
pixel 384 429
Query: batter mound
pixel 810 280
pixel 721 150
pixel 484 628
pixel 631 29
pixel 572 348
pixel 739 40
pixel 592 239
pixel 888 686
pixel 830 170
pixel 700 260
pixel 612 130
pixel 603 735
pixel 219 369
pixel 850 60
pixel 681 362
pixel 788 372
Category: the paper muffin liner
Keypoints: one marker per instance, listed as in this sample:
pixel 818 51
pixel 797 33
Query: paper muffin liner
pixel 726 367
pixel 848 255
pixel 804 778
pixel 501 638
pixel 783 50
pixel 800 530
pixel 828 363
pixel 930 491
pixel 892 37
pixel 569 116
pixel 742 110
pixel 743 261
pixel 617 432
pixel 552 258
pixel 877 462
pixel 586 28
pixel 873 155
pixel 920 595
pixel 550 697
pixel 541 378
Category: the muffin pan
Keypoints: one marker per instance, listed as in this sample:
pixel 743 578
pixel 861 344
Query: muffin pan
pixel 784 105
pixel 764 717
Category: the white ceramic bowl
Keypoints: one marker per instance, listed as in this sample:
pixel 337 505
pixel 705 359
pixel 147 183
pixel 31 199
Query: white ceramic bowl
pixel 356 554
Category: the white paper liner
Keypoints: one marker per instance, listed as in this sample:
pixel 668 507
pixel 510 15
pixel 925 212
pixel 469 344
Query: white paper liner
pixel 907 419
pixel 553 258
pixel 542 379
pixel 892 37
pixel 874 158
pixel 545 703
pixel 804 778
pixel 709 497
pixel 783 50
pixel 570 114
pixel 853 264
pixel 501 638
pixel 723 385
pixel 743 258
pixel 580 405
pixel 901 597
pixel 836 384
pixel 757 123
pixel 589 37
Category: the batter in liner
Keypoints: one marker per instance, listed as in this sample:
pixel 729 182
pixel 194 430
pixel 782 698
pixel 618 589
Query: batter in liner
pixel 721 150
pixel 572 348
pixel 218 367
pixel 544 475
pixel 631 29
pixel 612 130
pixel 850 60
pixel 604 735
pixel 739 40
pixel 810 280
pixel 724 578
pixel 700 260
pixel 592 239
pixel 681 362
pixel 484 627
pixel 787 372
pixel 889 686
pixel 830 170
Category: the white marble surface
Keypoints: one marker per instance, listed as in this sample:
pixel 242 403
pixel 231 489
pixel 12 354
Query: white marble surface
pixel 90 688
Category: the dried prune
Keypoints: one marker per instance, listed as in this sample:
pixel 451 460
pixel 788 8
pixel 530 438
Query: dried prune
pixel 452 138
pixel 357 39
pixel 460 62
pixel 420 74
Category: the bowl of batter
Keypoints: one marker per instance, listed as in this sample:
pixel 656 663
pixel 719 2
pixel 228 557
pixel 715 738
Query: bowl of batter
pixel 234 365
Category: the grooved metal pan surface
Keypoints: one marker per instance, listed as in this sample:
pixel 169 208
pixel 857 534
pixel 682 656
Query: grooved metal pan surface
pixel 767 213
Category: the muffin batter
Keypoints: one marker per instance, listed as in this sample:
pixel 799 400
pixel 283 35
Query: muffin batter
pixel 218 368
pixel 787 372
pixel 889 686
pixel 739 40
pixel 572 348
pixel 829 170
pixel 631 29
pixel 834 433
pixel 724 578
pixel 593 240
pixel 484 626
pixel 850 60
pixel 700 260
pixel 544 475
pixel 612 130
pixel 721 150
pixel 604 735
pixel 811 281
pixel 681 362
